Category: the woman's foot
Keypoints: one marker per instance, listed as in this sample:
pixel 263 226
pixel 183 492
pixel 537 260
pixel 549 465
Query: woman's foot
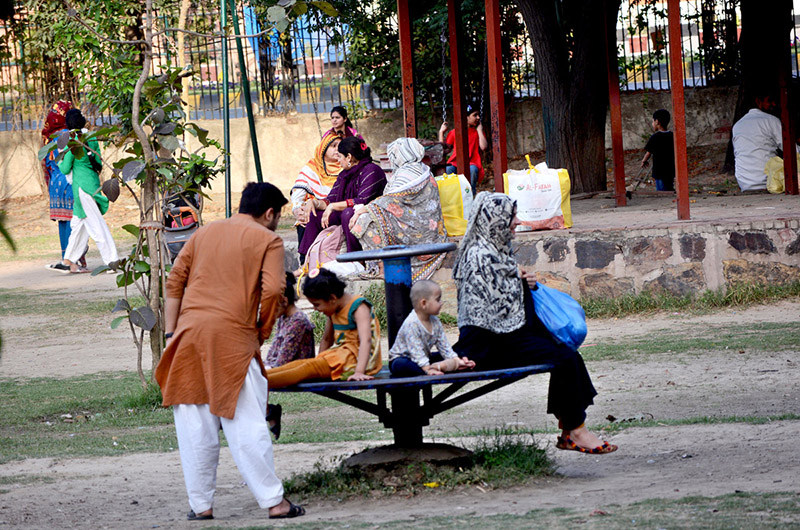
pixel 584 441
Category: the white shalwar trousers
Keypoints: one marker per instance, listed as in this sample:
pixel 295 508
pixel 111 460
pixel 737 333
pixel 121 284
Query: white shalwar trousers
pixel 248 438
pixel 94 226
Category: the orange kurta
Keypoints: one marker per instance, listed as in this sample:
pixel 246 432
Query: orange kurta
pixel 222 274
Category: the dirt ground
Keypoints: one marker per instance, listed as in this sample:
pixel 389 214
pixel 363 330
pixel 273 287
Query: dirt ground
pixel 666 461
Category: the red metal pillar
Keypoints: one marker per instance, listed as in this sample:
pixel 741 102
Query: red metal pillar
pixel 407 68
pixel 497 104
pixel 615 107
pixel 789 135
pixel 678 108
pixel 459 118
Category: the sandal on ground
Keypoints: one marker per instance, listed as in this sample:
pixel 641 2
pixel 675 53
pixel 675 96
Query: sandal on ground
pixel 191 516
pixel 295 510
pixel 274 414
pixel 566 444
pixel 58 267
pixel 80 270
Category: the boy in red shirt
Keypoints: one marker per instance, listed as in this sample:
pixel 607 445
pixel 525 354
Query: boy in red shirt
pixel 477 143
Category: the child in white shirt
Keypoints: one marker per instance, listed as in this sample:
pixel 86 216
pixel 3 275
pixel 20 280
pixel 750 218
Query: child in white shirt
pixel 421 331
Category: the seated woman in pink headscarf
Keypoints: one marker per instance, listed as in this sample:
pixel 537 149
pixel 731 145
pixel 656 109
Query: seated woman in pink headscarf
pixel 408 212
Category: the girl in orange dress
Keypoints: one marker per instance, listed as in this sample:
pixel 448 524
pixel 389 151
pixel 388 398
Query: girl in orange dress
pixel 350 348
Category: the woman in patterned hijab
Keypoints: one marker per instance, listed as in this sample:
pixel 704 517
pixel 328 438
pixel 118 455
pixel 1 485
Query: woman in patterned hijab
pixel 498 327
pixel 408 212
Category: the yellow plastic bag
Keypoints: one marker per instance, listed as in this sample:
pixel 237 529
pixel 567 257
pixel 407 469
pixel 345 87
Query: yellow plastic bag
pixel 455 195
pixel 775 175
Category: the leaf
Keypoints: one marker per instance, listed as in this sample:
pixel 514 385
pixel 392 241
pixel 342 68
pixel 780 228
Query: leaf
pixel 72 12
pixel 276 13
pixel 165 128
pixel 100 270
pixel 143 317
pixel 300 9
pixel 122 305
pixel 141 266
pixel 126 278
pixel 63 140
pixel 287 3
pixel 169 143
pixel 326 8
pixel 158 115
pixel 132 170
pixel 131 229
pixel 45 150
pixel 164 172
pixel 282 24
pixel 117 321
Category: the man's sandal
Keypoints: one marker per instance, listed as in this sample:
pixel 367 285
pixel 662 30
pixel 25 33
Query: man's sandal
pixel 566 444
pixel 295 510
pixel 191 516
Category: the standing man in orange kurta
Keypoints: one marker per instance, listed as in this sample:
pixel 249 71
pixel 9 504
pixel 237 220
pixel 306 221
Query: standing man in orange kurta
pixel 211 372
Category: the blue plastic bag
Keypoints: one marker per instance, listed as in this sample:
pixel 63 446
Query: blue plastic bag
pixel 561 314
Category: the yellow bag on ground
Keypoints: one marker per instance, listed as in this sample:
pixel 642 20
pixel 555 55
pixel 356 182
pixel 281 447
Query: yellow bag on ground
pixel 775 174
pixel 455 195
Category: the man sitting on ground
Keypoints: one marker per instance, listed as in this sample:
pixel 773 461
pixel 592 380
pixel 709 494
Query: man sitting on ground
pixel 756 139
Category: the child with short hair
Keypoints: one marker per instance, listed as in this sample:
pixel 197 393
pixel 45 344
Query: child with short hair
pixel 421 331
pixel 350 348
pixel 661 146
pixel 294 332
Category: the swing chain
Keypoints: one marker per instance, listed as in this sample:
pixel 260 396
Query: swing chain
pixel 443 39
pixel 483 75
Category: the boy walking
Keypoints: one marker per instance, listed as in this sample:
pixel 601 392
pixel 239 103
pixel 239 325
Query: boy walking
pixel 661 147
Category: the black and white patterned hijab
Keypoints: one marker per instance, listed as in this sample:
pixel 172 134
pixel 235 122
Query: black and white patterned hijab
pixel 487 277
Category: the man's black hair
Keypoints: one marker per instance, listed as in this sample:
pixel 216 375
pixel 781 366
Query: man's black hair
pixel 323 286
pixel 74 119
pixel 662 117
pixel 258 197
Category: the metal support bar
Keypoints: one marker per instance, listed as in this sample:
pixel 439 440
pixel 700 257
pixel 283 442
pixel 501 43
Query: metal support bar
pixel 447 392
pixel 226 115
pixel 397 275
pixel 678 107
pixel 246 89
pixel 407 68
pixel 358 403
pixel 430 410
pixel 459 117
pixel 497 105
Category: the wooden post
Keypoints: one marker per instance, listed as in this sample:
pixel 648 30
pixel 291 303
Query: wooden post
pixel 615 110
pixel 678 108
pixel 497 105
pixel 407 68
pixel 459 117
pixel 789 135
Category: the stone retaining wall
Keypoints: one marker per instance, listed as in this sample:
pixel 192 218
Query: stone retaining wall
pixel 680 260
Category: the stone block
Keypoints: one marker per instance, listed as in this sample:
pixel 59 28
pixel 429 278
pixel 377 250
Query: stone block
pixel 556 249
pixel 693 247
pixel 793 247
pixel 752 242
pixel 648 250
pixel 602 285
pixel 594 254
pixel 527 253
pixel 680 280
pixel 743 271
pixel 556 281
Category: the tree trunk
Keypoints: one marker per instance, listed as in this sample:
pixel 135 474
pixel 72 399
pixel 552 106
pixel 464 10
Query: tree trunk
pixel 574 83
